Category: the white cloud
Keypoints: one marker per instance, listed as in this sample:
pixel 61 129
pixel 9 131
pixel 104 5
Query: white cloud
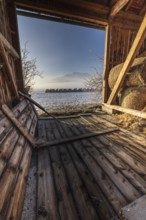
pixel 72 77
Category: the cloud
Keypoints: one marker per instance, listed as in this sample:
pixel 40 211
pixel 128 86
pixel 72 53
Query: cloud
pixel 72 77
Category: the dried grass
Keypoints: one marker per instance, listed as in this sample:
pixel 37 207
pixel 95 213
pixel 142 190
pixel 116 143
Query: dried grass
pixel 130 122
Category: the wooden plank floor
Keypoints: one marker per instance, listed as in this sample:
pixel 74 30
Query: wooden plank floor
pixel 88 179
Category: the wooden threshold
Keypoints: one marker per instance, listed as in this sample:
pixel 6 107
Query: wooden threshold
pixel 111 109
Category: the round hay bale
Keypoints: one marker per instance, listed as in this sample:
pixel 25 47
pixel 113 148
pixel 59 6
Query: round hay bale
pixel 133 98
pixel 134 76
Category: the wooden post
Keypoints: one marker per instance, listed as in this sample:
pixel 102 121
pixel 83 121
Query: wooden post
pixel 16 43
pixel 105 87
pixel 129 60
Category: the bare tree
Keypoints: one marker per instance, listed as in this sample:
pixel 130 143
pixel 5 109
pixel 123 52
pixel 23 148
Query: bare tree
pixel 94 82
pixel 29 68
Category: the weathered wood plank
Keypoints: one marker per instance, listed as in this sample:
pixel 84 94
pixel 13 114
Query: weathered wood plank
pixel 65 117
pixel 8 145
pixel 8 68
pixel 135 179
pixel 118 7
pixel 66 204
pixel 77 188
pixel 128 5
pixel 143 10
pixel 75 182
pixel 35 103
pixel 72 139
pixel 125 155
pixel 83 11
pixel 8 180
pixel 109 122
pixel 20 152
pixel 103 181
pixel 105 88
pixel 119 171
pixel 16 203
pixel 17 124
pixel 125 110
pixel 8 46
pixel 46 189
pixel 130 58
pixel 124 186
pixel 104 208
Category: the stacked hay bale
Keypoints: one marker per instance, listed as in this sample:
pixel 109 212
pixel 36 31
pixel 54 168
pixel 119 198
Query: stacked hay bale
pixel 133 93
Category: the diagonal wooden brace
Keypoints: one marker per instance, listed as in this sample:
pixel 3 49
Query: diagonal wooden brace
pixel 129 60
pixel 74 138
pixel 24 131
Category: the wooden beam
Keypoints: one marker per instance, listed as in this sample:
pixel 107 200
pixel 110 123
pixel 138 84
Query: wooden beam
pixel 110 111
pixel 118 7
pixel 128 5
pixel 16 43
pixel 76 138
pixel 82 11
pixel 8 68
pixel 25 132
pixel 116 108
pixel 143 10
pixel 65 117
pixel 129 60
pixel 8 46
pixel 105 87
pixel 37 104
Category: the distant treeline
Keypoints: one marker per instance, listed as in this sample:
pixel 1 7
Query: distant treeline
pixel 70 90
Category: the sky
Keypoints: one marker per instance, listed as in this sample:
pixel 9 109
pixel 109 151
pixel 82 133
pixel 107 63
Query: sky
pixel 66 54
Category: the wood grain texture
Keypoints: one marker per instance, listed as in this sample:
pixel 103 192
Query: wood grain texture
pixel 17 124
pixel 8 46
pixel 117 7
pixel 130 58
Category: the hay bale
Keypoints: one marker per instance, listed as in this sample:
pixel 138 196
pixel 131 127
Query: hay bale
pixel 133 98
pixel 134 76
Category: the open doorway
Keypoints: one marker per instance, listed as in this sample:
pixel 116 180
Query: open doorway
pixel 70 58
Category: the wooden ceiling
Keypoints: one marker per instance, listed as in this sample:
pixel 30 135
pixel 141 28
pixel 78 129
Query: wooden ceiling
pixel 122 12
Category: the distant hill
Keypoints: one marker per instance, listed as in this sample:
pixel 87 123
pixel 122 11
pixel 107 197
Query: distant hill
pixel 69 90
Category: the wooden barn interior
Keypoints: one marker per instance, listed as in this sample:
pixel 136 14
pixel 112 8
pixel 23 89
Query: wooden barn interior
pixel 81 167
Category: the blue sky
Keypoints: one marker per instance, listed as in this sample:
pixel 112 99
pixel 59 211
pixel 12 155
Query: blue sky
pixel 66 54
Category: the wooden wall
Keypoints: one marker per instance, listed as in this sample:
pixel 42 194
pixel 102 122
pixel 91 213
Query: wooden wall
pixel 10 65
pixel 119 40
